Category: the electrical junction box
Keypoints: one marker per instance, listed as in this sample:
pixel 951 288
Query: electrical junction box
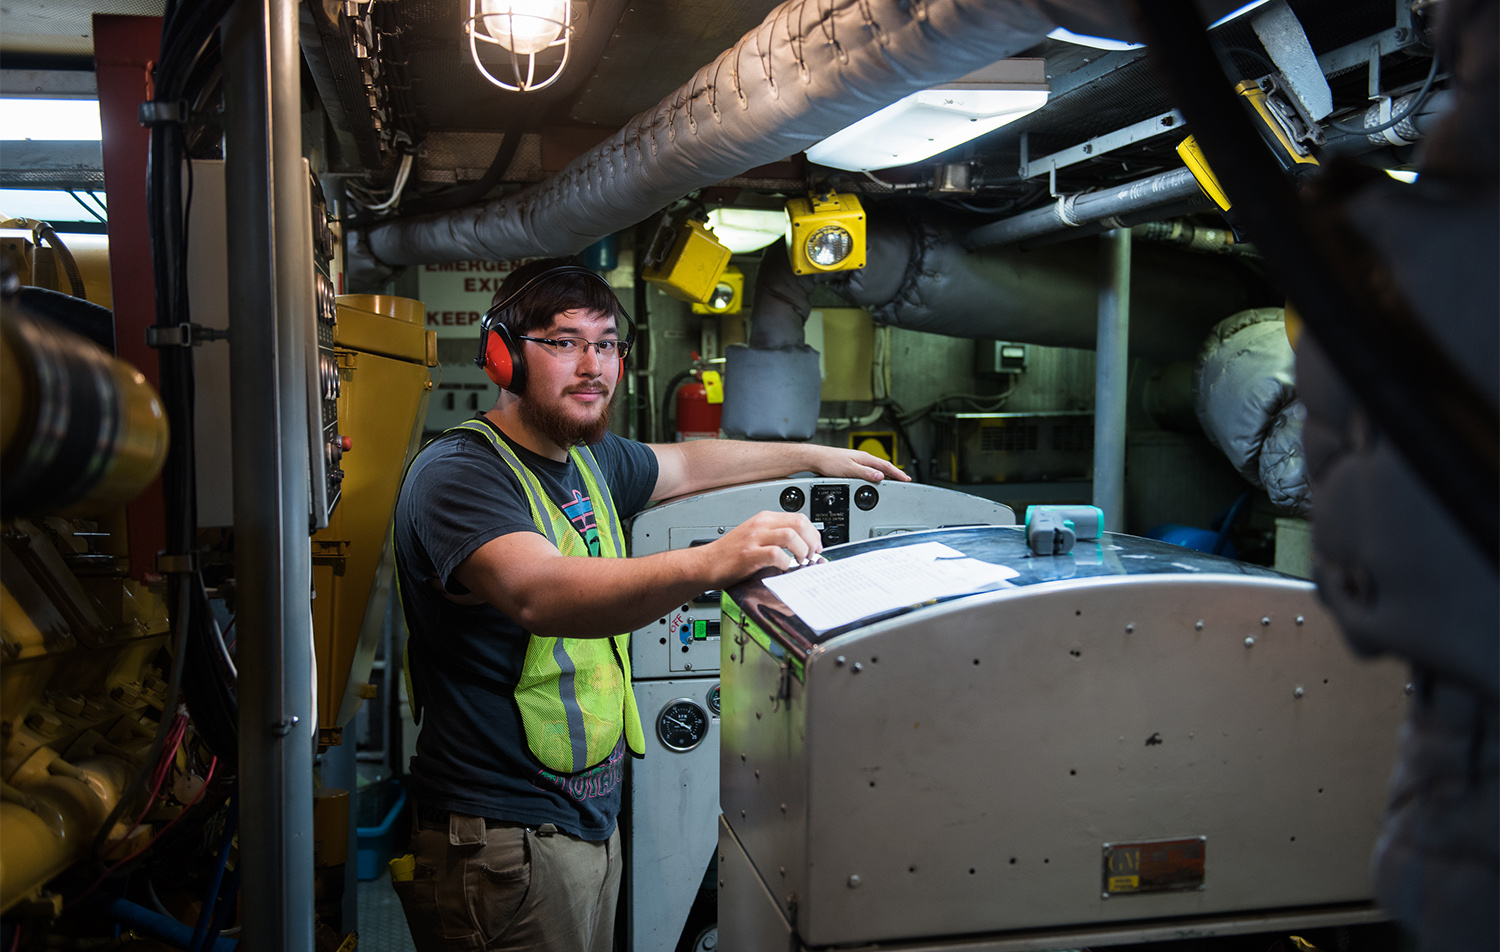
pixel 995 358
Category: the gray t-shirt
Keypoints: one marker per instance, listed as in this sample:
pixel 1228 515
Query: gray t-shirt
pixel 471 755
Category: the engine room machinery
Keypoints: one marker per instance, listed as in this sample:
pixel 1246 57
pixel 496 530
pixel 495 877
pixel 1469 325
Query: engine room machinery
pixel 674 790
pixel 1132 742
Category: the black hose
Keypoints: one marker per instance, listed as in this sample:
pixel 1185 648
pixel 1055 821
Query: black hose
pixel 1441 423
pixel 1412 108
pixel 70 266
pixel 666 403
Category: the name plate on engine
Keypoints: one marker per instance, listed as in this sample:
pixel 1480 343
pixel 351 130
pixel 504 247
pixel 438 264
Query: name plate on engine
pixel 1154 866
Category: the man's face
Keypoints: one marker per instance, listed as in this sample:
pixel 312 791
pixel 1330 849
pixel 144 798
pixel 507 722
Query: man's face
pixel 568 395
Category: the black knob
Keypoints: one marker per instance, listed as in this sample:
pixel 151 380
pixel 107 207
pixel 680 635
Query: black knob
pixel 865 497
pixel 792 499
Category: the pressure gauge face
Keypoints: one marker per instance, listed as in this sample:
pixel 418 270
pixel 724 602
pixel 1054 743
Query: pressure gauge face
pixel 682 724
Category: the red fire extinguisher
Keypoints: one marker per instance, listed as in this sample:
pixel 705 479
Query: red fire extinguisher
pixel 697 418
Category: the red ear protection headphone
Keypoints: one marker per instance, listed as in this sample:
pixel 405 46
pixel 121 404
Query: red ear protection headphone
pixel 500 353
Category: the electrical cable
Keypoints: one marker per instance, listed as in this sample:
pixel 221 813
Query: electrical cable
pixel 1412 108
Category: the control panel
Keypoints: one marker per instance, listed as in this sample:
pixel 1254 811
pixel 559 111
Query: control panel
pixel 327 448
pixel 686 642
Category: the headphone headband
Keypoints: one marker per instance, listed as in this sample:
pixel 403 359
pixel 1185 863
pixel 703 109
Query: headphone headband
pixel 499 353
pixel 491 317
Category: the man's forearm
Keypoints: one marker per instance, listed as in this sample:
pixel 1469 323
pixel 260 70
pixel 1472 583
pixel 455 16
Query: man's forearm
pixel 708 464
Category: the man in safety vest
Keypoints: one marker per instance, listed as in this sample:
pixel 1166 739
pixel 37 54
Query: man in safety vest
pixel 516 590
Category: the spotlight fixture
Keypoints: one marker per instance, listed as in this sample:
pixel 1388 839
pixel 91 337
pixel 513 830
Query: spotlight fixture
pixel 523 28
pixel 685 260
pixel 728 295
pixel 827 232
pixel 937 119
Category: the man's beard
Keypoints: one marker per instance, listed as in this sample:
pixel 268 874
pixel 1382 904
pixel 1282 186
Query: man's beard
pixel 550 421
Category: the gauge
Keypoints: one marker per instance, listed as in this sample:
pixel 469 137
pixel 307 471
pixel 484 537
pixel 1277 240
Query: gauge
pixel 713 700
pixel 682 724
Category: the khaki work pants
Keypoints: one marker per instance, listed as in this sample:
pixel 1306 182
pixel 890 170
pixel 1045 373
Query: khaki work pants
pixel 506 886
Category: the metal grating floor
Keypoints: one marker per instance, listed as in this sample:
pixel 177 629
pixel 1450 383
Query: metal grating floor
pixel 382 925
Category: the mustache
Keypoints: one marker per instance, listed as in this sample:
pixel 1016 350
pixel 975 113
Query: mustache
pixel 588 388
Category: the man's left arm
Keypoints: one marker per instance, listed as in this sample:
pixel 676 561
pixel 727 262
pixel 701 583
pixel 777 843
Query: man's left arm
pixel 708 464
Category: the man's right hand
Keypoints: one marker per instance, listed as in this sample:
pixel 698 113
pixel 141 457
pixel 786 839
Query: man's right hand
pixel 762 541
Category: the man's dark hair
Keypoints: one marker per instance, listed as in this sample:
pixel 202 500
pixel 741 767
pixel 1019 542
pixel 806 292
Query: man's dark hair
pixel 567 291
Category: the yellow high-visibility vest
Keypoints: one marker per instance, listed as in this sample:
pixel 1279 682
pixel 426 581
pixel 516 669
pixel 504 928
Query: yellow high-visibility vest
pixel 574 693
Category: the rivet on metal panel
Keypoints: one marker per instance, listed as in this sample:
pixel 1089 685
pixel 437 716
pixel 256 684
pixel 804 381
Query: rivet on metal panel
pixel 742 758
pixel 854 881
pixel 1250 642
pixel 757 715
pixel 1199 625
pixel 1410 688
pixel 783 808
pixel 742 814
pixel 1104 895
pixel 687 666
pixel 1300 619
pixel 1298 692
pixel 1130 629
pixel 839 660
pixel 858 667
pixel 757 773
pixel 1265 621
pixel 783 870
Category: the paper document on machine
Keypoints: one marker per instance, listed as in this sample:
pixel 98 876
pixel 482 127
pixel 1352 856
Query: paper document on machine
pixel 831 594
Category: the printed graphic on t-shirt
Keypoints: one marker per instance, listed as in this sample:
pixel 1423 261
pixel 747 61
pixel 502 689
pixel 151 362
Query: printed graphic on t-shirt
pixel 597 781
pixel 581 512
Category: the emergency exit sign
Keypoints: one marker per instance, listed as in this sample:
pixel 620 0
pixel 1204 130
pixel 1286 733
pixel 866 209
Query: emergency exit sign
pixel 457 293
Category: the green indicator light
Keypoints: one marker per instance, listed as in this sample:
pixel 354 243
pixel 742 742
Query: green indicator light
pixel 700 629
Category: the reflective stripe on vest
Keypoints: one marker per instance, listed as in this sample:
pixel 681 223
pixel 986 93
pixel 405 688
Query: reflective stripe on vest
pixel 574 693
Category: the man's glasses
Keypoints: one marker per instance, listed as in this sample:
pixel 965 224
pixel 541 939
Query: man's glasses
pixel 573 348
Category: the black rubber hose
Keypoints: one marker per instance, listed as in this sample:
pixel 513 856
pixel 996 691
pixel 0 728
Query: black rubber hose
pixel 666 403
pixel 1440 422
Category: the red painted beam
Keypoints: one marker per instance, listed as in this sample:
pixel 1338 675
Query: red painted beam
pixel 124 48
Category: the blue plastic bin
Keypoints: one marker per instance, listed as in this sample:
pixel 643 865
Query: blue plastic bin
pixel 375 841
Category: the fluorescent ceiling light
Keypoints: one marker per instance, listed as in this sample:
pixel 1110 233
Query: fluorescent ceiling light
pixel 1237 13
pixel 49 119
pixel 747 229
pixel 1097 42
pixel 938 119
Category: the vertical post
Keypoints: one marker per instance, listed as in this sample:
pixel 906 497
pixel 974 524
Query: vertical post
pixel 1111 369
pixel 270 296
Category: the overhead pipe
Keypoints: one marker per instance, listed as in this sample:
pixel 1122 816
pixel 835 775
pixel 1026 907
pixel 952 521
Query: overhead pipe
pixel 1080 208
pixel 919 277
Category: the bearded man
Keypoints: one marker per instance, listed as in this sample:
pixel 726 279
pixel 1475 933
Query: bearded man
pixel 516 589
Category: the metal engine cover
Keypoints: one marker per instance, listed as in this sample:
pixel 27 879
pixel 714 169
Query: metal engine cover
pixel 1132 732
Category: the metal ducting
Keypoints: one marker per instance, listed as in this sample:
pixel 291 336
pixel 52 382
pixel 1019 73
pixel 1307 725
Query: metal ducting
pixel 805 72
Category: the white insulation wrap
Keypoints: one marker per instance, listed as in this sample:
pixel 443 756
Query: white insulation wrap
pixel 810 69
pixel 1245 393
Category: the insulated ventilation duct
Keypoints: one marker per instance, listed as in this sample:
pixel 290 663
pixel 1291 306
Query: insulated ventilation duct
pixel 920 277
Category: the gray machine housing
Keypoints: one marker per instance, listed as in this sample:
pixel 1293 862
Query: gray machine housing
pixel 674 795
pixel 970 768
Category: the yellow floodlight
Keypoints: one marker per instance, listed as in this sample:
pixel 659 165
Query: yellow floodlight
pixel 827 232
pixel 686 261
pixel 728 296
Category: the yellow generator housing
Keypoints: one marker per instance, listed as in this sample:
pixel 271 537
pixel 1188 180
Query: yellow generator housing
pixel 383 356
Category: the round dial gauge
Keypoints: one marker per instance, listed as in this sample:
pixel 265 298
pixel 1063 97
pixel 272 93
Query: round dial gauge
pixel 682 724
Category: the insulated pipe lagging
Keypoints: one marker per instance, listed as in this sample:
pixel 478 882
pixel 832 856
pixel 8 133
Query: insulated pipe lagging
pixel 808 70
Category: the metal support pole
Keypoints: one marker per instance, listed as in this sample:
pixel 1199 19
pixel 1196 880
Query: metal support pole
pixel 270 296
pixel 1111 369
